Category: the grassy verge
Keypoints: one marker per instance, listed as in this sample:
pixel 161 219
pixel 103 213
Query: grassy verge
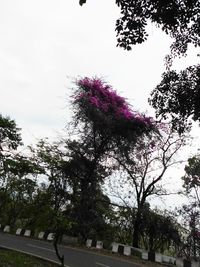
pixel 9 258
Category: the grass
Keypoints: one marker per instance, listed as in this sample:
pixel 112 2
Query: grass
pixel 9 258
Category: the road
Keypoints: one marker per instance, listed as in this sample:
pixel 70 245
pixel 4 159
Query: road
pixel 73 257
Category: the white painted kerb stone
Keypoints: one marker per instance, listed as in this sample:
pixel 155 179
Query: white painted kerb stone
pixel 158 257
pixel 27 233
pixel 145 255
pixel 41 235
pixel 88 243
pixel 6 229
pixel 127 250
pixel 114 247
pixel 99 244
pixel 18 232
pixel 50 236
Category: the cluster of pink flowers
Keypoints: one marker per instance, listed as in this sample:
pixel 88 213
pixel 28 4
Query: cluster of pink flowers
pixel 104 98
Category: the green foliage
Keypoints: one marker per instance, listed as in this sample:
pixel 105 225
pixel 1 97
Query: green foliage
pixel 10 139
pixel 81 2
pixel 86 173
pixel 178 19
pixel 192 174
pixel 71 200
pixel 17 189
pixel 176 98
pixel 9 134
pixel 144 166
pixel 52 199
pixel 123 224
pixel 190 212
pixel 16 200
pixel 190 247
pixel 20 166
pixel 159 231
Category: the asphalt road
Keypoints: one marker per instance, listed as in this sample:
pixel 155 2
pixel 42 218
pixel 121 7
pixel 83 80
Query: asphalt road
pixel 73 257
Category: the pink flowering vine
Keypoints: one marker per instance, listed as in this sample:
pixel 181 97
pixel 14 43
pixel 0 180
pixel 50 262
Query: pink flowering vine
pixel 102 97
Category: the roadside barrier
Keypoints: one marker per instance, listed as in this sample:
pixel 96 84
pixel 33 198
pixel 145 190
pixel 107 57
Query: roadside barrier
pixel 89 243
pixel 180 262
pixel 116 248
pixel 6 229
pixel 94 244
pixel 18 231
pixel 41 235
pixel 50 237
pixel 99 245
pixel 145 255
pixel 27 233
pixel 125 249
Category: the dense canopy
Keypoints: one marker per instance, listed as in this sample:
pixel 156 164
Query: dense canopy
pixel 97 103
pixel 178 19
pixel 177 97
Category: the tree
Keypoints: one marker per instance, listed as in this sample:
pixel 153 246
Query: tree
pixel 16 171
pixel 18 206
pixel 122 223
pixel 9 134
pixel 18 189
pixel 145 165
pixel 177 97
pixel 51 159
pixel 99 110
pixel 177 94
pixel 178 19
pixel 40 210
pixel 104 121
pixel 190 246
pixel 86 173
pixel 191 211
pixel 160 232
pixel 10 139
pixel 191 179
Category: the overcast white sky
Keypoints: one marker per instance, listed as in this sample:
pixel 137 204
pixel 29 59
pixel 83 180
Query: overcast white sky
pixel 45 44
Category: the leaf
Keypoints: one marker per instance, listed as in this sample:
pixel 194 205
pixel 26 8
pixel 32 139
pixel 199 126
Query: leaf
pixel 81 2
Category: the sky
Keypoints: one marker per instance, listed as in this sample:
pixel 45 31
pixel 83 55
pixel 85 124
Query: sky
pixel 46 45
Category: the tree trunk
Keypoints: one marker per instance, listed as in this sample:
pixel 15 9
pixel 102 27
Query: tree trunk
pixel 55 243
pixel 136 231
pixel 83 209
pixel 87 213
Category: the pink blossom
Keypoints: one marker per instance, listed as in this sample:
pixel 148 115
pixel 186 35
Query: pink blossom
pixel 84 82
pixel 94 101
pixel 79 96
pixel 104 98
pixel 148 120
pixel 104 106
pixel 139 118
pixel 124 112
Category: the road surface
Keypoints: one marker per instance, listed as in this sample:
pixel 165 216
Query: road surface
pixel 73 257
